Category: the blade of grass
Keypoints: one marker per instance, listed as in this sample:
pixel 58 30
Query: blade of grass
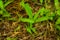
pixel 58 21
pixel 18 28
pixel 1 11
pixel 13 19
pixel 33 29
pixel 1 4
pixel 5 13
pixel 58 11
pixel 56 4
pixel 27 8
pixel 42 19
pixel 42 10
pixel 36 15
pixel 26 20
pixel 57 27
pixel 8 2
pixel 29 30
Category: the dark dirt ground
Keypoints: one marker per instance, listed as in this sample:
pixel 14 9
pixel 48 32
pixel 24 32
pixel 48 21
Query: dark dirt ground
pixel 45 30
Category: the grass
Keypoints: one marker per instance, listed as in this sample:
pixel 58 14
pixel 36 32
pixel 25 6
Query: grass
pixel 4 12
pixel 34 18
pixel 58 13
pixel 44 13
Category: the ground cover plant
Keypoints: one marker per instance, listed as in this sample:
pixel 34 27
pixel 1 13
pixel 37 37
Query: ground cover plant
pixel 29 20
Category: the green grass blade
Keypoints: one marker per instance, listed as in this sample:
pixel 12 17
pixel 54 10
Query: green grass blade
pixel 36 15
pixel 51 16
pixel 1 4
pixel 27 8
pixel 18 28
pixel 27 20
pixel 57 27
pixel 34 30
pixel 42 10
pixel 58 12
pixel 12 19
pixel 29 30
pixel 42 19
pixel 58 21
pixel 5 13
pixel 56 4
pixel 1 11
pixel 8 2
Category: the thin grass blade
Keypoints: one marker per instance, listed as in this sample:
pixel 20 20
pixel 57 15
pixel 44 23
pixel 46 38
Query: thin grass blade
pixel 56 4
pixel 5 13
pixel 1 4
pixel 27 20
pixel 58 21
pixel 8 2
pixel 27 8
pixel 37 14
pixel 42 19
pixel 29 30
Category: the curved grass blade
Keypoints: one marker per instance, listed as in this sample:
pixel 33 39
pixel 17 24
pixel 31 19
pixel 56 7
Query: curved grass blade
pixel 27 8
pixel 8 2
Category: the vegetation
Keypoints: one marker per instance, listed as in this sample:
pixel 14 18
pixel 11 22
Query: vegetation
pixel 42 15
